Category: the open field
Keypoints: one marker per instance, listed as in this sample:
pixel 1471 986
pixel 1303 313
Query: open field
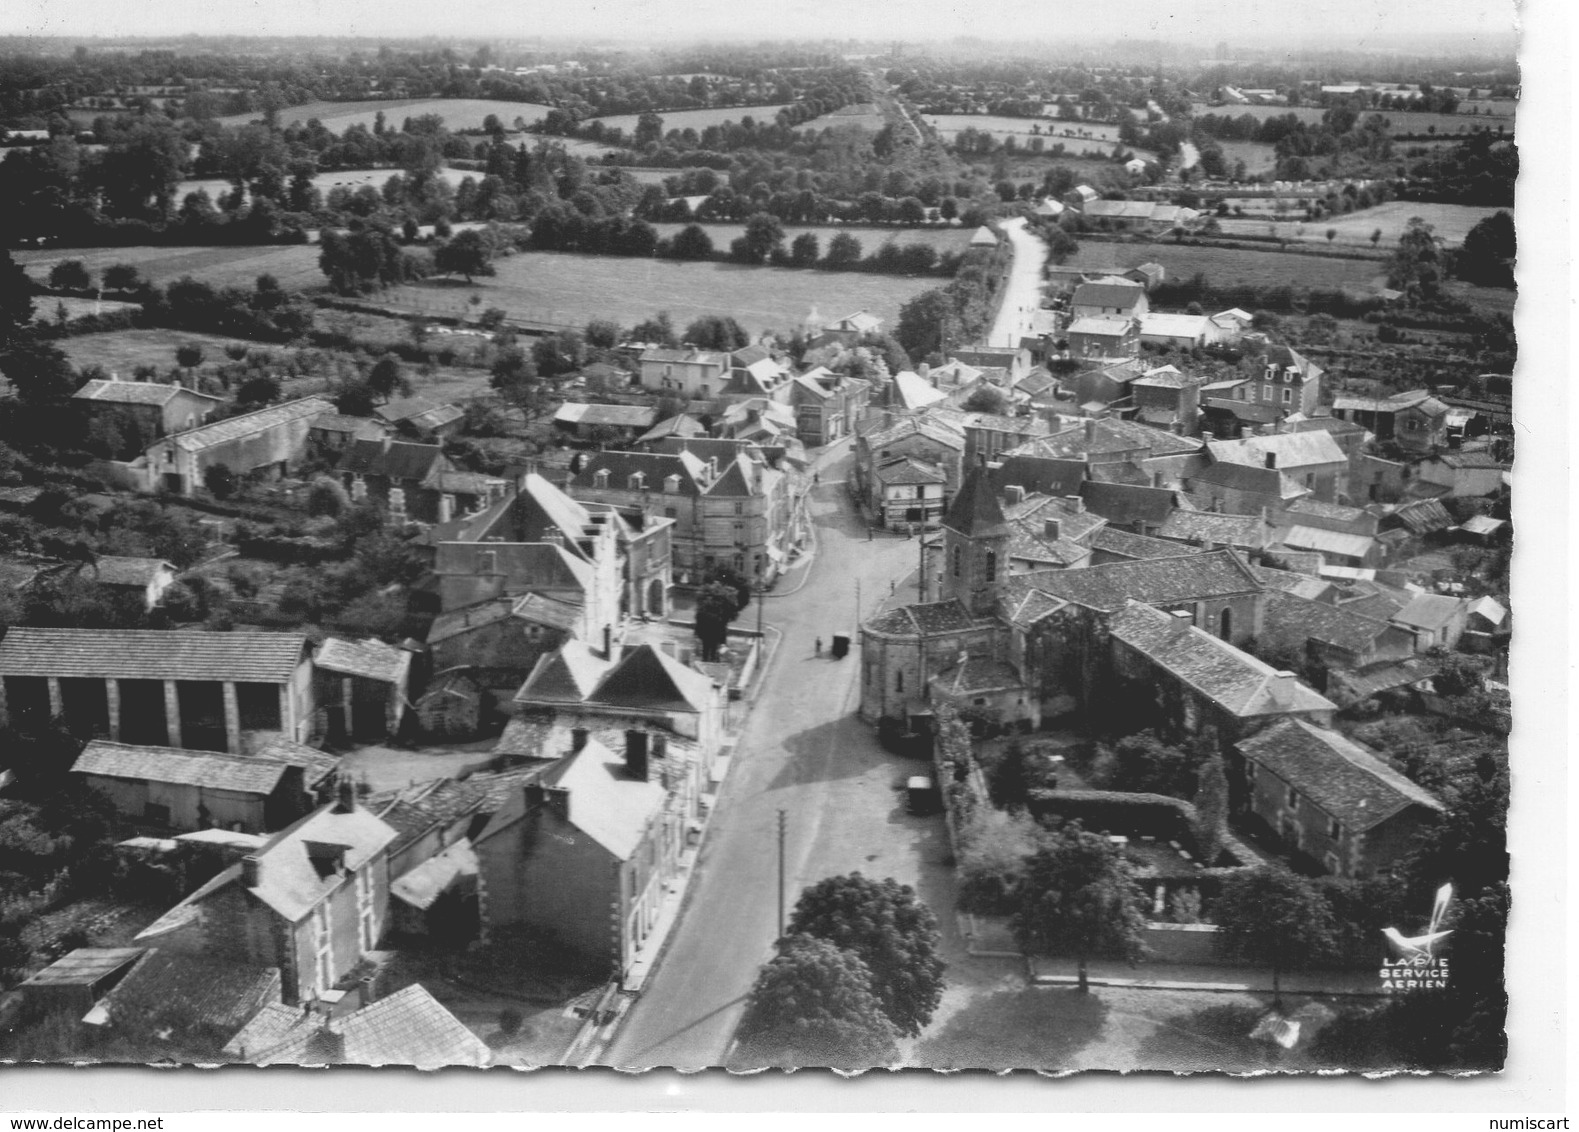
pixel 122 351
pixel 943 239
pixel 1259 157
pixel 458 113
pixel 352 179
pixel 1090 140
pixel 1032 167
pixel 46 308
pixel 568 290
pixel 695 119
pixel 294 265
pixel 1399 121
pixel 1451 221
pixel 863 114
pixel 647 176
pixel 1223 266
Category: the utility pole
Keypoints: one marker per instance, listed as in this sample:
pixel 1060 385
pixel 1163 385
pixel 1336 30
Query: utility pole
pixel 921 570
pixel 781 874
pixel 857 602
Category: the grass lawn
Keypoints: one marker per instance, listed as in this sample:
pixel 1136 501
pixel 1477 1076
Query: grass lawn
pixel 1259 157
pixel 122 351
pixel 458 113
pixel 352 179
pixel 1452 223
pixel 696 119
pixel 1399 121
pixel 568 290
pixel 1231 265
pixel 943 239
pixel 294 265
pixel 863 114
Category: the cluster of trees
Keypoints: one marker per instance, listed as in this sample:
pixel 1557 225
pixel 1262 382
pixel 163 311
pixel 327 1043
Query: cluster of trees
pixel 858 968
pixel 959 312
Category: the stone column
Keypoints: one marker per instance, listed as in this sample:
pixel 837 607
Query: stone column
pixel 112 700
pixel 232 719
pixel 172 713
pixel 57 703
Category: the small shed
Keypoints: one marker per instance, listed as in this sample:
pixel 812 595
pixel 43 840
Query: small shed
pixel 77 980
pixel 983 237
pixel 362 685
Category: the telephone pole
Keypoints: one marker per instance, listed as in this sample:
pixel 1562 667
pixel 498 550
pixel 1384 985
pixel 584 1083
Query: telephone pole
pixel 921 569
pixel 781 874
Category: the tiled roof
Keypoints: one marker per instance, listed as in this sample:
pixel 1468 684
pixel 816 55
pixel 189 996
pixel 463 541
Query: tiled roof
pixel 1123 503
pixel 645 677
pixel 371 658
pixel 656 467
pixel 681 424
pixel 567 675
pixel 84 966
pixel 249 424
pixel 420 412
pixel 537 565
pixel 908 470
pixel 695 357
pixel 930 427
pixel 1160 581
pixel 1292 450
pixel 142 654
pixel 1290 582
pixel 1119 471
pixel 975 675
pixel 1335 511
pixel 339 422
pixel 1108 435
pixel 1246 531
pixel 1127 545
pixel 1294 620
pixel 540 609
pixel 923 618
pixel 1100 327
pixel 1224 674
pixel 618 416
pixel 1106 294
pixel 914 392
pixel 136 392
pixel 1246 477
pixel 468 617
pixel 1341 777
pixel 206 769
pixel 409 1027
pixel 1470 460
pixel 1038 474
pixel 211 991
pixel 1163 325
pixel 1429 611
pixel 316 765
pixel 421 886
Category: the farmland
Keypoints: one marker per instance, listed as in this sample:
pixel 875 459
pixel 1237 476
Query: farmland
pixel 1093 139
pixel 569 290
pixel 349 178
pixel 1226 266
pixel 1259 157
pixel 1399 121
pixel 1450 221
pixel 863 114
pixel 458 113
pixel 943 239
pixel 295 266
pixel 122 351
pixel 696 119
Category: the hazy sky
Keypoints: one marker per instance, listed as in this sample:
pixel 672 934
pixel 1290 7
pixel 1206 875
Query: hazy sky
pixel 1203 21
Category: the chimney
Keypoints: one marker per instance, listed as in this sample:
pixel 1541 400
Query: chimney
pixel 924 372
pixel 578 739
pixel 1271 460
pixel 1091 429
pixel 251 870
pixel 346 797
pixel 1075 503
pixel 1156 479
pixel 636 755
pixel 325 1047
pixel 1014 493
pixel 1217 505
pixel 115 375
pixel 1176 427
pixel 1052 528
pixel 1207 437
pixel 1182 619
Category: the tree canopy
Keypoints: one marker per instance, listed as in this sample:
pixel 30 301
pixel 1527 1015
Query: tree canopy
pixel 1272 916
pixel 890 930
pixel 1079 896
pixel 813 1005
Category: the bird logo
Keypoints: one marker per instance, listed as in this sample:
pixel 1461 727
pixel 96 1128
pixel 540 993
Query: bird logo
pixel 1421 949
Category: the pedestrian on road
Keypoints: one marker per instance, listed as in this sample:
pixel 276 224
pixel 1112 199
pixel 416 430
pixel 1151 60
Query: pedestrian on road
pixel 818 646
pixel 816 477
pixel 891 584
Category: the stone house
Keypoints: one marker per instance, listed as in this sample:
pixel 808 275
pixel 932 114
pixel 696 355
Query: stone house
pixel 698 375
pixel 908 493
pixel 361 687
pixel 268 442
pixel 1165 398
pixel 1109 300
pixel 1092 337
pixel 827 405
pixel 1436 620
pixel 313 902
pixel 932 442
pixel 429 421
pixel 145 580
pixel 414 481
pixel 1331 799
pixel 158 409
pixel 1312 460
pixel 1460 474
pixel 181 790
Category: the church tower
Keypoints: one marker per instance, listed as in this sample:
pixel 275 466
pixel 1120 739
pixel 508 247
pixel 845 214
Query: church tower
pixel 975 545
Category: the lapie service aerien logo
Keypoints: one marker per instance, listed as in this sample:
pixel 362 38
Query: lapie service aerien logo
pixel 1417 964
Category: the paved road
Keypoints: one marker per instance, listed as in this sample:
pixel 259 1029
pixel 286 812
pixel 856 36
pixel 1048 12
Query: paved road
pixel 1024 291
pixel 803 751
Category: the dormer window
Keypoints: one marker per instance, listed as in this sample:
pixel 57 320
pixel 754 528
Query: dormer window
pixel 600 478
pixel 671 484
pixel 637 481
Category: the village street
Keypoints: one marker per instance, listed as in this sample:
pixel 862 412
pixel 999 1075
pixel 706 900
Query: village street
pixel 1023 292
pixel 805 752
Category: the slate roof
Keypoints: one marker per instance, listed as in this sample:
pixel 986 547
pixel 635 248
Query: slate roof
pixel 645 677
pixel 1482 525
pixel 568 675
pixel 420 412
pixel 1292 449
pixel 370 658
pixel 535 564
pixel 694 357
pixel 1039 474
pixel 339 422
pixel 1106 294
pixel 1424 516
pixel 1118 471
pixel 1159 581
pixel 222 994
pixel 206 769
pixel 975 512
pixel 1247 477
pixel 915 392
pixel 977 674
pixel 401 460
pixel 115 570
pixel 1341 777
pixel 655 466
pixel 288 882
pixel 1228 676
pixel 248 424
pixel 929 427
pixel 908 470
pixel 137 392
pixel 421 886
pixel 1108 435
pixel 926 618
pixel 540 609
pixel 616 416
pixel 139 654
pixel 1128 545
pixel 1123 503
pixel 84 966
pixel 409 1027
pixel 681 424
pixel 1328 542
pixel 316 765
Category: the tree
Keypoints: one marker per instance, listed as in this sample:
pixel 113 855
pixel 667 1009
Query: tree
pixel 1269 915
pixel 691 242
pixel 1469 844
pixel 1488 252
pixel 258 391
pixel 649 129
pixel 122 277
pixel 804 250
pixel 890 930
pixel 986 399
pixel 220 481
pixel 16 302
pixel 1211 808
pixel 602 334
pixel 70 275
pixel 558 354
pixel 189 356
pixel 385 377
pixel 813 1004
pixel 716 606
pixel 1079 895
pixel 926 322
pixel 764 234
pixel 844 251
pixel 466 254
pixel 717 332
pixel 327 497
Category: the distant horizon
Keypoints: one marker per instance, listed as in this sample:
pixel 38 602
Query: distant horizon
pixel 1458 26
